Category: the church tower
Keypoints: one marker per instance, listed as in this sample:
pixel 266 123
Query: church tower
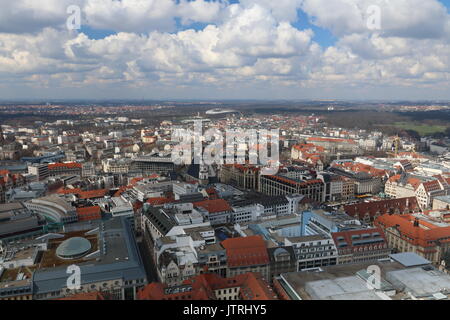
pixel 203 174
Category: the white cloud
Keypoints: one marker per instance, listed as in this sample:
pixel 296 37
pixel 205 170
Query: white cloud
pixel 251 44
pixel 399 18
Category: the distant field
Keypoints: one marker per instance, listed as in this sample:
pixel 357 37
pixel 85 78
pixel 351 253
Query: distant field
pixel 422 129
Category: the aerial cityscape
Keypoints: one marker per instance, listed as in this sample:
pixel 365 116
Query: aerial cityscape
pixel 225 150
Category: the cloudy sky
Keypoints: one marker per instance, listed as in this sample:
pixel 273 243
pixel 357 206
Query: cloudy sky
pixel 225 49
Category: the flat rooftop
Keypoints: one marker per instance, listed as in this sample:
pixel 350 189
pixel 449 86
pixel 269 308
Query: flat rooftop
pixel 409 259
pixel 420 282
pixel 347 288
pixel 337 282
pixel 443 198
pixel 50 259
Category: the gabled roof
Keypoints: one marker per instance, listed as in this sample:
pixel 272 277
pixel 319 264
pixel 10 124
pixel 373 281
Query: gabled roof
pixel 424 235
pixel 214 206
pixel 403 205
pixel 431 186
pixel 203 287
pixel 246 251
pixel 93 194
pixel 70 165
pixel 159 201
pixel 94 210
pixel 363 238
pixel 68 191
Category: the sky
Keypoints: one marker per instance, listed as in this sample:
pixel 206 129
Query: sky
pixel 225 49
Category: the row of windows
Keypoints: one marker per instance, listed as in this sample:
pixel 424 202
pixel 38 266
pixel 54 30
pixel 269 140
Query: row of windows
pixel 227 291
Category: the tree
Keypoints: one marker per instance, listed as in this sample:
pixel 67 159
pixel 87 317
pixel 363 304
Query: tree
pixel 447 132
pixel 438 135
pixel 413 134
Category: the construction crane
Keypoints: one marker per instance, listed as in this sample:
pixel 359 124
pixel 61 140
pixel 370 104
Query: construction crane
pixel 395 147
pixel 2 139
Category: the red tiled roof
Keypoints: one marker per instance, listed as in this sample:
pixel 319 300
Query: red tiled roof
pixel 433 185
pixel 293 182
pixel 319 139
pixel 69 191
pixel 212 194
pixel 347 238
pixel 423 236
pixel 359 167
pixel 122 190
pixel 93 194
pixel 403 205
pixel 203 287
pixel 214 206
pixel 309 148
pixel 246 251
pixel 64 165
pixel 159 201
pixel 89 210
pixel 89 213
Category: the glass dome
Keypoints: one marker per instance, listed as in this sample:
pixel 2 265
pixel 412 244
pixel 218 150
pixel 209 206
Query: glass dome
pixel 73 248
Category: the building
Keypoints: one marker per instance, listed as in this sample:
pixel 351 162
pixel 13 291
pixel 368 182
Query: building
pixel 152 163
pixel 319 221
pixel 333 187
pixel 357 246
pixel 249 286
pixel 242 213
pixel 247 254
pixel 65 169
pixel 49 157
pixel 367 180
pixel 121 207
pixel 88 169
pixel 243 176
pixel 402 277
pixel 187 251
pixel 16 290
pixel 144 191
pixel 41 171
pixel 424 189
pixel 116 166
pixel 277 185
pixel 428 190
pixel 441 202
pixel 89 213
pixel 111 265
pixel 282 260
pixel 89 296
pixel 216 211
pixel 176 264
pixel 369 211
pixel 16 221
pixel 416 233
pixel 309 153
pixel 54 209
pixel 401 186
pixel 309 251
pixel 335 146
